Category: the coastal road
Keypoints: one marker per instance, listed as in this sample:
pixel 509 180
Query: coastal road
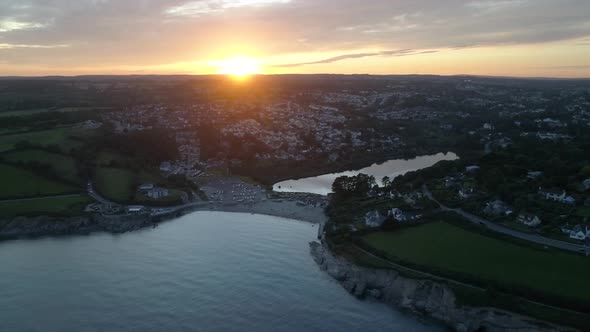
pixel 92 193
pixel 508 231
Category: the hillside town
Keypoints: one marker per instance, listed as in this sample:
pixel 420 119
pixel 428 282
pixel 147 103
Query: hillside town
pixel 406 118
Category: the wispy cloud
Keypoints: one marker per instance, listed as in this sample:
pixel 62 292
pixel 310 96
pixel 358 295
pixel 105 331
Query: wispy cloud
pixel 356 56
pixel 195 8
pixel 6 26
pixel 109 33
pixel 4 46
pixel 578 67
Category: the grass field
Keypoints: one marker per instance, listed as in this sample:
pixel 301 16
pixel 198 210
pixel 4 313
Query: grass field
pixel 105 158
pixel 450 248
pixel 120 184
pixel 583 211
pixel 62 206
pixel 64 166
pixel 46 110
pixel 18 183
pixel 59 136
pixel 115 183
pixel 7 131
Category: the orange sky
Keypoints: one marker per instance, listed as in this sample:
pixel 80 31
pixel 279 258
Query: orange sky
pixel 542 38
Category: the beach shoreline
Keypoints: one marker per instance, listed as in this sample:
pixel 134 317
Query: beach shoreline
pixel 42 226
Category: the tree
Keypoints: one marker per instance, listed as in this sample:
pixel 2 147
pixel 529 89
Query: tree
pixel 386 181
pixel 345 187
pixel 585 172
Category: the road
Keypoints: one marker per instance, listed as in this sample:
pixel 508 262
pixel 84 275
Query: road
pixel 508 231
pixel 158 211
pixel 92 193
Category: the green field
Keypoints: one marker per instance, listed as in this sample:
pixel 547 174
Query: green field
pixel 115 183
pixel 64 166
pixel 583 211
pixel 7 131
pixel 62 206
pixel 105 158
pixel 445 247
pixel 46 110
pixel 18 183
pixel 59 136
pixel 120 184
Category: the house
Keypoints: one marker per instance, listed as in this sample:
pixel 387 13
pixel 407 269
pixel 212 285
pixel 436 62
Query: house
pixel 557 196
pixel 394 194
pixel 569 200
pixel 586 184
pixel 166 166
pixel 497 208
pixel 529 219
pixel 374 219
pixel 488 126
pixel 135 209
pixel 534 175
pixel 472 169
pixel 145 187
pixel 450 182
pixel 465 193
pixel 397 214
pixel 158 193
pixel 579 233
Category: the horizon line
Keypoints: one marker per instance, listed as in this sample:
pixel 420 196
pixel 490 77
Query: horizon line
pixel 288 74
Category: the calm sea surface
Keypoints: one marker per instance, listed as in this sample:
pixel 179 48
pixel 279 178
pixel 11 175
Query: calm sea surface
pixel 208 271
pixel 323 184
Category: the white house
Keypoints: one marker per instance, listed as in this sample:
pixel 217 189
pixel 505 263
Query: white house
pixel 529 220
pixel 534 175
pixel 465 193
pixel 579 232
pixel 586 184
pixel 397 214
pixel 146 186
pixel 374 219
pixel 135 209
pixel 166 166
pixel 472 169
pixel 158 193
pixel 497 208
pixel 557 196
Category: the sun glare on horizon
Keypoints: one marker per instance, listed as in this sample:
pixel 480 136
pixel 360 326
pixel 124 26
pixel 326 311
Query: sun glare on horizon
pixel 238 67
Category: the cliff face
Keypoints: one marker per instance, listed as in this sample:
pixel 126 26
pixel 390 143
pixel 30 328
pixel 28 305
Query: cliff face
pixel 41 226
pixel 424 297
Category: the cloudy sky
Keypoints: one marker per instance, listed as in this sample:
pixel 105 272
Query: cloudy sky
pixel 486 37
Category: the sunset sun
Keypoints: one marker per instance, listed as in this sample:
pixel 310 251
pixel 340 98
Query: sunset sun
pixel 238 67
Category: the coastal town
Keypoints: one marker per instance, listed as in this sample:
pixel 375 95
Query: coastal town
pixel 313 126
pixel 221 146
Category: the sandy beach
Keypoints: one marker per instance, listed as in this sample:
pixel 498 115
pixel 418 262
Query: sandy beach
pixel 278 208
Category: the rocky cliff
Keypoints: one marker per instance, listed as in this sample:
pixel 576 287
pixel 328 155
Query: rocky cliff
pixel 41 226
pixel 424 297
